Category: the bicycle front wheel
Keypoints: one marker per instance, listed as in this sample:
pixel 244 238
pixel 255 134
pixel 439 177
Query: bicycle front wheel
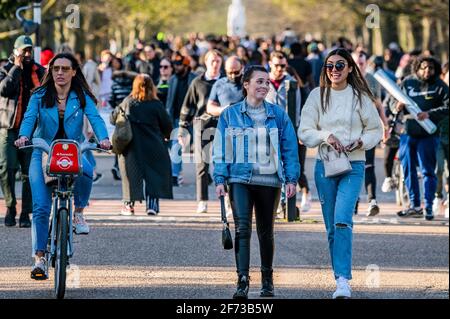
pixel 61 252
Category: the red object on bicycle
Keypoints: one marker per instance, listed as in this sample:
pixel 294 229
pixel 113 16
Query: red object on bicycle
pixel 65 159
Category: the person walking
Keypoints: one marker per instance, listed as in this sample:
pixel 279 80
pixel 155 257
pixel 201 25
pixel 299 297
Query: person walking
pixel 255 171
pixel 340 112
pixel 146 159
pixel 417 146
pixel 194 107
pixel 55 111
pixel 178 86
pixel 18 78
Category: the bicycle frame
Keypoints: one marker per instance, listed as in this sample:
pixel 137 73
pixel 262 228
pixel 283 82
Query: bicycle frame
pixel 65 165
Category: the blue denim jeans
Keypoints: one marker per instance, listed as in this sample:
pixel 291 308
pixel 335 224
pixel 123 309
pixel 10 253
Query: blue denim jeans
pixel 420 152
pixel 42 198
pixel 338 196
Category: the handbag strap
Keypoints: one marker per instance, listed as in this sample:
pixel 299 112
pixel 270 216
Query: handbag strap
pixel 222 210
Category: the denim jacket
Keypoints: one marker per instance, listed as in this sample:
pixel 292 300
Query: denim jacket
pixel 232 145
pixel 48 121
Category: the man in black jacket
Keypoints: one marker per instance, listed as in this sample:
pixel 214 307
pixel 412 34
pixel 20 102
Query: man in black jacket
pixel 417 147
pixel 17 79
pixel 194 106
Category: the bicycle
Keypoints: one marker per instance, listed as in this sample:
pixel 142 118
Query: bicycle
pixel 64 163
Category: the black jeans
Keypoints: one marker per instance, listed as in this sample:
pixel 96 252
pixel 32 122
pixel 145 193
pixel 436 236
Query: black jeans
pixel 206 128
pixel 265 200
pixel 302 181
pixel 370 178
pixel 11 159
pixel 389 156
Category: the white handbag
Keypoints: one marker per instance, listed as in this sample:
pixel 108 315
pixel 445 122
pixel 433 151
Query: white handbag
pixel 335 163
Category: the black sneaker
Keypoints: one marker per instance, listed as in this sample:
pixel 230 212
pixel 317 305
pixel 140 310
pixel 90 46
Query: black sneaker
pixel 24 220
pixel 10 217
pixel 242 287
pixel 116 173
pixel 411 212
pixel 39 270
pixel 175 181
pixel 97 178
pixel 429 214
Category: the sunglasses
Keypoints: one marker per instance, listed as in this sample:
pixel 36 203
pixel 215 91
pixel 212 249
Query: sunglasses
pixel 164 66
pixel 234 73
pixel 63 68
pixel 339 66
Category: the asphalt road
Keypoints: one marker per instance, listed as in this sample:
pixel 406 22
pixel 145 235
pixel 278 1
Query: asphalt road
pixel 178 254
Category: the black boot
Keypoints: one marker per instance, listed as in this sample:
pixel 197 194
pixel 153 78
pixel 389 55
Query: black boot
pixel 242 287
pixel 10 217
pixel 267 283
pixel 24 220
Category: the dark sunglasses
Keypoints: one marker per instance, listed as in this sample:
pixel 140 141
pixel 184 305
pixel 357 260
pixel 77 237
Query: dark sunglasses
pixel 164 66
pixel 339 66
pixel 234 73
pixel 64 68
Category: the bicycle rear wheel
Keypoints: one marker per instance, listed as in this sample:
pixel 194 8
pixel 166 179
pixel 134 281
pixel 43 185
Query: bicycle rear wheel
pixel 61 252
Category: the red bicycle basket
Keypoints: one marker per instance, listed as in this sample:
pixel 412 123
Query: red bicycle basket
pixel 65 159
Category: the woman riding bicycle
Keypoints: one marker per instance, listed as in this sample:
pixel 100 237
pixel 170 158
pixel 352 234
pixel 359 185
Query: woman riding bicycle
pixel 55 111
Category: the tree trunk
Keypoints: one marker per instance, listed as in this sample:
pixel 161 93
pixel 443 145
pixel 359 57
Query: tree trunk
pixel 426 27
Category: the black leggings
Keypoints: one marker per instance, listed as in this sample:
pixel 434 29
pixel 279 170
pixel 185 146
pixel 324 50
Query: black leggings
pixel 370 178
pixel 265 200
pixel 389 155
pixel 302 181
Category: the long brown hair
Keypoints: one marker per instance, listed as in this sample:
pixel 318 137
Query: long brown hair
pixel 354 78
pixel 143 88
pixel 78 83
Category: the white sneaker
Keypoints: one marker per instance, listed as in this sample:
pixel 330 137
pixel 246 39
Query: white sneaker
pixel 79 224
pixel 202 207
pixel 127 210
pixel 373 208
pixel 437 206
pixel 306 202
pixel 387 185
pixel 343 289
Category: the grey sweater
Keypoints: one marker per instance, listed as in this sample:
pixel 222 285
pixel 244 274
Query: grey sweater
pixel 264 172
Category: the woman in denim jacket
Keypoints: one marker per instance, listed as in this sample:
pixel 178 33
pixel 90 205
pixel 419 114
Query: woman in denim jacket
pixel 58 108
pixel 341 112
pixel 255 152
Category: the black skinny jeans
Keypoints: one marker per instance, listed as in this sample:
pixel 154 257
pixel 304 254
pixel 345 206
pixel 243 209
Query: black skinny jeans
pixel 302 181
pixel 370 178
pixel 389 156
pixel 265 200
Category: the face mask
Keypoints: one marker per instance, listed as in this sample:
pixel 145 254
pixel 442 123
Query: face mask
pixel 236 80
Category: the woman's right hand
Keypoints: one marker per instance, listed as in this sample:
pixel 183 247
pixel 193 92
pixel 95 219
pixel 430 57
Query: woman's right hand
pixel 334 141
pixel 220 190
pixel 21 141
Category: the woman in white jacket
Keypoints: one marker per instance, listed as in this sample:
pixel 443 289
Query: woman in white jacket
pixel 342 113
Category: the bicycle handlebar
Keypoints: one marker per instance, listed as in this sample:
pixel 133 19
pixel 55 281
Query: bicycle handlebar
pixel 42 145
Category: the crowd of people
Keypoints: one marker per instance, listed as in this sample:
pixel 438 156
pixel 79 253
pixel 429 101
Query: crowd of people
pixel 228 98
